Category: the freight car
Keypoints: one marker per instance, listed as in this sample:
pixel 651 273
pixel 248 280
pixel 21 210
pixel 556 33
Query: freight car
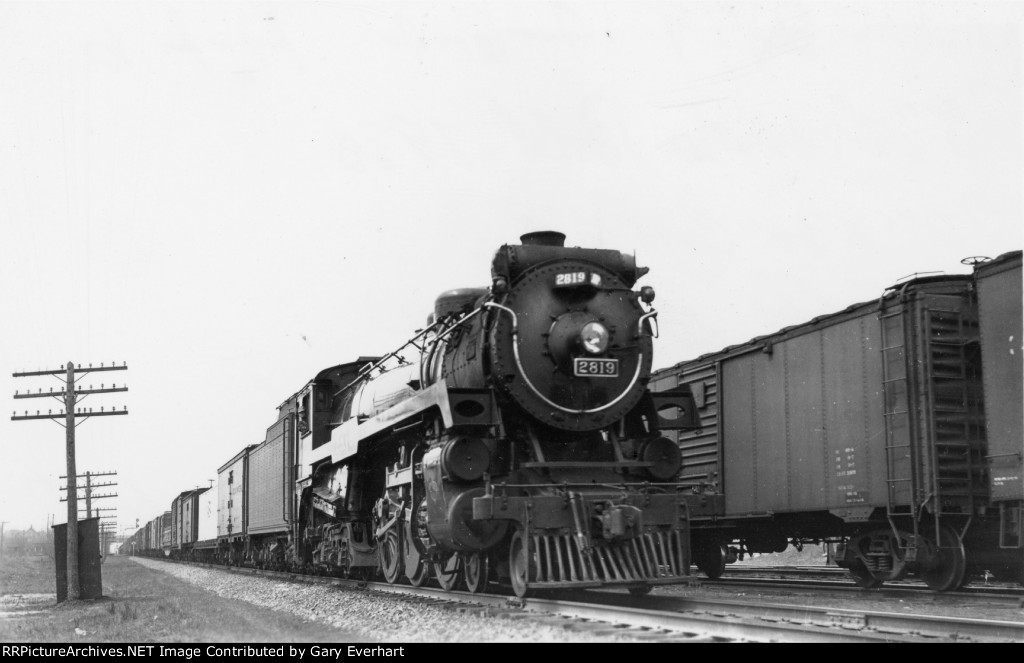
pixel 1000 304
pixel 185 522
pixel 199 540
pixel 232 511
pixel 867 428
pixel 513 439
pixel 133 543
pixel 154 538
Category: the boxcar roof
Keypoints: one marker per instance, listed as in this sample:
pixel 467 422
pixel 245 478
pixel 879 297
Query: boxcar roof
pixel 998 264
pixel 235 458
pixel 897 290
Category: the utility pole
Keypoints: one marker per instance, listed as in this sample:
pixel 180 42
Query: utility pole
pixel 108 533
pixel 89 497
pixel 2 523
pixel 71 398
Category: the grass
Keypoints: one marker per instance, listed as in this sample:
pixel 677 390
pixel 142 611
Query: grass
pixel 22 574
pixel 138 605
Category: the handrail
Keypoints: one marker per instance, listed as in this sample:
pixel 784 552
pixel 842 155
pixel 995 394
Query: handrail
pixel 364 373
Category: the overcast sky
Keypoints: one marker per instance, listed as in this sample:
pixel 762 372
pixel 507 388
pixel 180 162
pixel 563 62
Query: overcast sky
pixel 231 196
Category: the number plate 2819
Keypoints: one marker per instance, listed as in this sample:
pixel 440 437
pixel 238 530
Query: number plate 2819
pixel 596 368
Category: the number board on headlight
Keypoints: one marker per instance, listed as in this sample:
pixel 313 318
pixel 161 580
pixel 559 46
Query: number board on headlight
pixel 595 368
pixel 576 279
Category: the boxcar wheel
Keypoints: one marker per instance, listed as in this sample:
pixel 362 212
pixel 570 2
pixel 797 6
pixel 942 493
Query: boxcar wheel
pixel 710 560
pixel 947 570
pixel 863 578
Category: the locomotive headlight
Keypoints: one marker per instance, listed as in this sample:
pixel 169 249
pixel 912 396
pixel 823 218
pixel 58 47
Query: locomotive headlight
pixel 594 338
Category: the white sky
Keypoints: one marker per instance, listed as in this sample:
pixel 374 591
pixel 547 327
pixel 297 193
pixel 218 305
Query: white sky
pixel 231 196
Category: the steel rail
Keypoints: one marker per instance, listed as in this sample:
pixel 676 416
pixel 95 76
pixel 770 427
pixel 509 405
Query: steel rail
pixel 681 619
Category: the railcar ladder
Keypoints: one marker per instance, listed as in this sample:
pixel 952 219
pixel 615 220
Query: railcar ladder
pixel 901 480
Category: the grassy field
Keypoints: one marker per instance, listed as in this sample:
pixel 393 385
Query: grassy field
pixel 138 605
pixel 27 575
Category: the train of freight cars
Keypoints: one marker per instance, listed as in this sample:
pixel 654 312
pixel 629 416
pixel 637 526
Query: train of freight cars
pixel 891 429
pixel 513 440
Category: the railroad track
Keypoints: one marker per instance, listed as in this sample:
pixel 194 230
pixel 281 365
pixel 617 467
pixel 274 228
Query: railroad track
pixel 839 580
pixel 678 618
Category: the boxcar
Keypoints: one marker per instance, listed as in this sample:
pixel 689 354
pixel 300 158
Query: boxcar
pixel 186 524
pixel 863 428
pixel 165 534
pixel 232 511
pixel 190 516
pixel 151 528
pixel 1000 324
pixel 205 514
pixel 176 524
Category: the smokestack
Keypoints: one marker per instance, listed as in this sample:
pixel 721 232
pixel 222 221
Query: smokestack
pixel 543 238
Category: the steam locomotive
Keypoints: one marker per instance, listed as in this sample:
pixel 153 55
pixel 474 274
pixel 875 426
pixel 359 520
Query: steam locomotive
pixel 511 440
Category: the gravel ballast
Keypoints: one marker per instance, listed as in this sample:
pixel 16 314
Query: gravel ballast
pixel 387 619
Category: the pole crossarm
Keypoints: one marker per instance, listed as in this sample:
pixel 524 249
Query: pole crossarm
pixel 78 369
pixel 84 415
pixel 90 474
pixel 94 485
pixel 92 497
pixel 45 394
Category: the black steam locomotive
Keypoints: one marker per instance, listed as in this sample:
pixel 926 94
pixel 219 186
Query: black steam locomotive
pixel 512 440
